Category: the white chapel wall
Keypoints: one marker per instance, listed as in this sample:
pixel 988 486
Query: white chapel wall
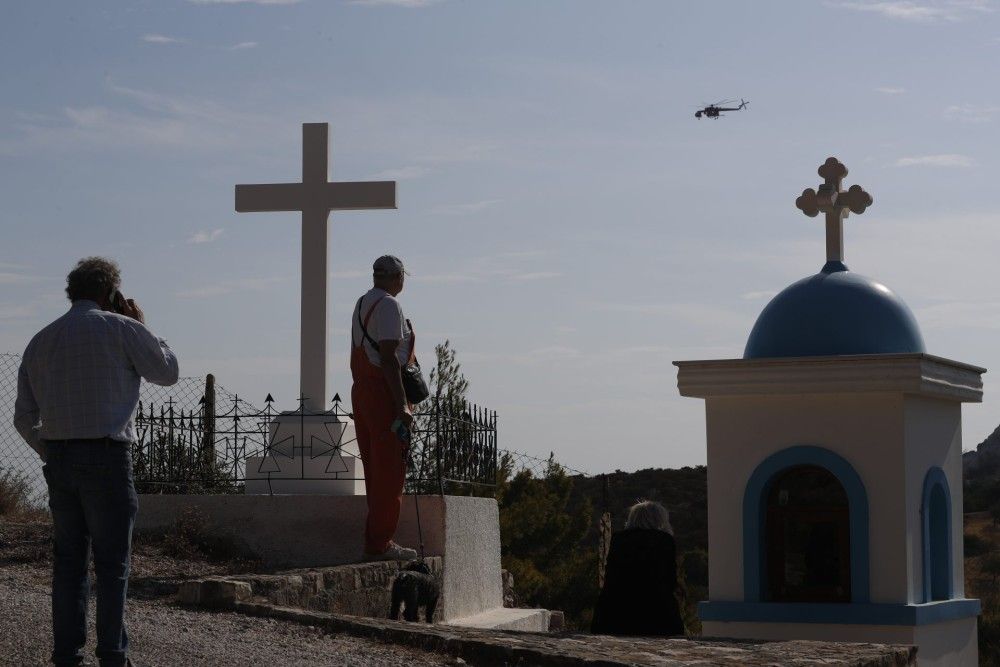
pixel 933 431
pixel 866 429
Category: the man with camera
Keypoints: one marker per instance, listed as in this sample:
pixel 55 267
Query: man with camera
pixel 382 348
pixel 77 392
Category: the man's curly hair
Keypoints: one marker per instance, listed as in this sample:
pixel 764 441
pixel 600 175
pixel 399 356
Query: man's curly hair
pixel 92 278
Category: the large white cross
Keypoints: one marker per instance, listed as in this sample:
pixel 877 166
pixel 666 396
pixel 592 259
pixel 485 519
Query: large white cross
pixel 835 203
pixel 315 197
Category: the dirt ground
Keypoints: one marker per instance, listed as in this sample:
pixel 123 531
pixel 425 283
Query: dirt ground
pixel 160 632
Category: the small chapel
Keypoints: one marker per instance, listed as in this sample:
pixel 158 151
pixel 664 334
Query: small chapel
pixel 834 465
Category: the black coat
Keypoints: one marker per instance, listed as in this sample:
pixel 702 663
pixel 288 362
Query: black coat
pixel 639 583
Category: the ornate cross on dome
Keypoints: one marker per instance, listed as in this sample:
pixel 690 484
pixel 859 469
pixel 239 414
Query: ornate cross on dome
pixel 835 203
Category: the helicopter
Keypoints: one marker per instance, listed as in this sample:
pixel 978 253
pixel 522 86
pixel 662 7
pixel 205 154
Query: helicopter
pixel 715 109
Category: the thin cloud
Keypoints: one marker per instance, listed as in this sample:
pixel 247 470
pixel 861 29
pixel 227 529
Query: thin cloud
pixel 499 268
pixel 890 90
pixel 463 209
pixel 401 174
pixel 945 160
pixel 153 38
pixel 348 275
pixel 244 2
pixel 536 275
pixel 146 119
pixel 971 113
pixel 960 315
pixel 242 46
pixel 230 286
pixel 10 278
pixel 206 236
pixel 759 295
pixel 17 312
pixel 444 278
pixel 395 3
pixel 921 12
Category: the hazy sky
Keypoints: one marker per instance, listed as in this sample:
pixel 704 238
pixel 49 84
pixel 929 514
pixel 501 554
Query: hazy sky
pixel 568 223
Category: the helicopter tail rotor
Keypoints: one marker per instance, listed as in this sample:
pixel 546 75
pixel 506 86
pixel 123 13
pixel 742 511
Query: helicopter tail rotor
pixel 744 104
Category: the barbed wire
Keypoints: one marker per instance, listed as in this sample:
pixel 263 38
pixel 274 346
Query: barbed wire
pixel 538 467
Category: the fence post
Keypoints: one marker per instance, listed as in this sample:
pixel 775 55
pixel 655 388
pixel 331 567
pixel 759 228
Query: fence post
pixel 208 424
pixel 437 442
pixel 604 535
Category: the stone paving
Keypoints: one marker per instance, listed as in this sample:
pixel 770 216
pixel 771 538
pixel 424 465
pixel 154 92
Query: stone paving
pixel 486 647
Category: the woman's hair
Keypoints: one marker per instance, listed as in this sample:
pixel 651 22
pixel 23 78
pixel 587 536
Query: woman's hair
pixel 92 278
pixel 649 514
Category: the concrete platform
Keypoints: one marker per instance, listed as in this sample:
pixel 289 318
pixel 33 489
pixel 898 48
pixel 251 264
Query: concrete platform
pixel 516 620
pixel 302 531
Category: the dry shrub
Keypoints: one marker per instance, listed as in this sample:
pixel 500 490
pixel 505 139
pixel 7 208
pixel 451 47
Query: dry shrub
pixel 15 492
pixel 190 539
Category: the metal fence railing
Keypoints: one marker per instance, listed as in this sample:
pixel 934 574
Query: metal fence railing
pixel 219 448
pixel 196 437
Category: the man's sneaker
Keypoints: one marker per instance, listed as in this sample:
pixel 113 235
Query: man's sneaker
pixel 394 552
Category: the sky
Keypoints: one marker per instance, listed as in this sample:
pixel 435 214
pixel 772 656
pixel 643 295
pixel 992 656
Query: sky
pixel 568 224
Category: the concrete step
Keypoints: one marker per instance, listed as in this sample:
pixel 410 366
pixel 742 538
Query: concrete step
pixel 502 618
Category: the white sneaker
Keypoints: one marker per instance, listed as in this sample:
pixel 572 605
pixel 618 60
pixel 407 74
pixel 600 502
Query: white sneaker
pixel 394 552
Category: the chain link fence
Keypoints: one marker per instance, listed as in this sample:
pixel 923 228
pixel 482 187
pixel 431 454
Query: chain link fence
pixel 20 460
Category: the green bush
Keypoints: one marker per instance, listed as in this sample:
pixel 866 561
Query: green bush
pixel 976 546
pixel 694 564
pixel 989 639
pixel 540 535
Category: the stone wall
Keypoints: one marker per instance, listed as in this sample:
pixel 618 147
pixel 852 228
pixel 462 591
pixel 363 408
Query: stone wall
pixel 362 589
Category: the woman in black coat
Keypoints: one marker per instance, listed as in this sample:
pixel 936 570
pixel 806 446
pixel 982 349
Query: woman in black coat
pixel 640 578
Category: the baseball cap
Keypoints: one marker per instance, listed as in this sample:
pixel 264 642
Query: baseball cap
pixel 388 265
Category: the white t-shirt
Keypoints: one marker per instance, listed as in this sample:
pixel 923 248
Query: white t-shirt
pixel 386 323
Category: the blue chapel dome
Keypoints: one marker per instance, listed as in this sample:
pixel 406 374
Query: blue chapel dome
pixel 835 312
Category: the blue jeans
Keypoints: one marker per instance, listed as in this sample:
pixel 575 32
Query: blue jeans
pixel 93 502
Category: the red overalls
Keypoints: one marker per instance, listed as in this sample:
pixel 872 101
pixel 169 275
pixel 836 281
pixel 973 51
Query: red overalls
pixel 381 449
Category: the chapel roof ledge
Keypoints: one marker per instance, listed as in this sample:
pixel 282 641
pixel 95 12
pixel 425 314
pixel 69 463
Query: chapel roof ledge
pixel 910 373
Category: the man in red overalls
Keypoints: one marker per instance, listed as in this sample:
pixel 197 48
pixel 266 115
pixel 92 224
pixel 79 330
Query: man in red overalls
pixel 382 343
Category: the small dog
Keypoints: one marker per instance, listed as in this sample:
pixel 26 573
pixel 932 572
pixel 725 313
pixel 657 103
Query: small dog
pixel 415 587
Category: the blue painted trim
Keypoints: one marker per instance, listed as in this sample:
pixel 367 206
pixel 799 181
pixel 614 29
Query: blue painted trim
pixel 755 507
pixel 936 477
pixel 850 614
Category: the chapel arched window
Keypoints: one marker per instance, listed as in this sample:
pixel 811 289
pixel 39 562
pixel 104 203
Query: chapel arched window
pixel 939 544
pixel 807 546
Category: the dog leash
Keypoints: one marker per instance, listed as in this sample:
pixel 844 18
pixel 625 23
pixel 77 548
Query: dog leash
pixel 408 457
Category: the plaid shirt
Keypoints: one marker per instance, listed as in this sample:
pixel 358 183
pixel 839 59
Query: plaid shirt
pixel 80 375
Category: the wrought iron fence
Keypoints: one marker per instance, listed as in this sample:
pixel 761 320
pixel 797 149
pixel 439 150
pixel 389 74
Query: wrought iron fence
pixel 205 449
pixel 196 437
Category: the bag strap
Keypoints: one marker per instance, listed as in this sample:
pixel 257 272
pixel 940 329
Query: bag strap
pixel 364 329
pixel 413 344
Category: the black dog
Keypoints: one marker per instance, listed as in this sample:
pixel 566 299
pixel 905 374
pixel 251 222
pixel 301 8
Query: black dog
pixel 415 587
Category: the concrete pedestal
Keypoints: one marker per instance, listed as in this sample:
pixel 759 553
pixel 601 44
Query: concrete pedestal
pixel 331 475
pixel 314 530
pixel 306 457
